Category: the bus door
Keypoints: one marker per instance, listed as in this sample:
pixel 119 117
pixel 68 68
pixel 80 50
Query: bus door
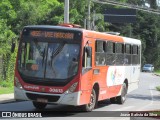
pixel 87 73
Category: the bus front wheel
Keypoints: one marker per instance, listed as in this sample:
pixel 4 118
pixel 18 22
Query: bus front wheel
pixel 121 99
pixel 39 105
pixel 93 101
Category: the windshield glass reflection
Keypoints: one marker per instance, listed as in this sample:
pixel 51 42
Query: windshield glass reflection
pixel 48 60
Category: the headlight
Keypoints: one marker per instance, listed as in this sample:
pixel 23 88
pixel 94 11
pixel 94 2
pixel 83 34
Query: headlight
pixel 17 83
pixel 72 88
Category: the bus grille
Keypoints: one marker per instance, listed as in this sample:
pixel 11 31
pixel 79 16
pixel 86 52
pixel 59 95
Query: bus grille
pixel 48 97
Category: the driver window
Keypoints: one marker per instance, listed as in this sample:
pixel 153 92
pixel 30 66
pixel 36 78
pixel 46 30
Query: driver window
pixel 87 57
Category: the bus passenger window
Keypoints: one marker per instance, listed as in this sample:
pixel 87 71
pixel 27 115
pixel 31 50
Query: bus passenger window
pixel 119 54
pixel 100 53
pixel 110 55
pixel 127 57
pixel 135 59
pixel 135 50
pixel 128 49
pixel 100 46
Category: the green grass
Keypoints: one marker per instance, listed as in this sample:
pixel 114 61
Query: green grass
pixel 157 72
pixel 158 88
pixel 6 87
pixel 6 90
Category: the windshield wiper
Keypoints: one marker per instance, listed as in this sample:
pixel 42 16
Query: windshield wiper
pixel 44 51
pixel 57 51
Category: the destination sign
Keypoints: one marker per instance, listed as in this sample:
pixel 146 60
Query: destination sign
pixel 49 34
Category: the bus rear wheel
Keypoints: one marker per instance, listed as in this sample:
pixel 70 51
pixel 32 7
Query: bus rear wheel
pixel 121 99
pixel 93 101
pixel 39 105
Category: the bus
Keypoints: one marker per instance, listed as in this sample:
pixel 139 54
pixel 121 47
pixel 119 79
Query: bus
pixel 69 65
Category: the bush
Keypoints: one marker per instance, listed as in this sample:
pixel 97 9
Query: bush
pixel 6 84
pixel 158 88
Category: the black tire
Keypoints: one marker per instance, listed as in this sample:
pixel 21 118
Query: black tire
pixel 113 100
pixel 121 99
pixel 39 105
pixel 93 102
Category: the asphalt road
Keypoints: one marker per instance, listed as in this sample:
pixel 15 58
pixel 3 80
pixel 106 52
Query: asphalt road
pixel 145 98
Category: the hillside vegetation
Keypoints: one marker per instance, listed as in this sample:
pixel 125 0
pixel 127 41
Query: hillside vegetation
pixel 15 14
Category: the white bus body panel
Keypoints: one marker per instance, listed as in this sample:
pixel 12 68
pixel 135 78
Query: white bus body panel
pixel 133 70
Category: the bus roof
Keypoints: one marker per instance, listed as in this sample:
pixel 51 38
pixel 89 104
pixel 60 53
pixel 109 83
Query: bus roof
pixel 52 27
pixel 111 37
pixel 132 40
pixel 89 33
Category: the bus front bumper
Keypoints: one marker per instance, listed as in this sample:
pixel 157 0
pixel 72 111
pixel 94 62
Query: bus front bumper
pixel 66 99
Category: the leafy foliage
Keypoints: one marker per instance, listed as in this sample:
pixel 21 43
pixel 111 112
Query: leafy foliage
pixel 15 14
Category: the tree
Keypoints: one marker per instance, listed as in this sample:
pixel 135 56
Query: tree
pixel 153 3
pixel 15 14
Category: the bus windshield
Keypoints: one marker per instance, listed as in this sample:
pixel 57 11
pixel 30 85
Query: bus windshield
pixel 48 60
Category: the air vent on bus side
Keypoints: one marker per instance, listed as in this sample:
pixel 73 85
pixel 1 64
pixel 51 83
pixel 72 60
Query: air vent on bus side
pixel 70 25
pixel 112 33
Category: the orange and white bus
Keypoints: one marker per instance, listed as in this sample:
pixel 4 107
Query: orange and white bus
pixel 73 66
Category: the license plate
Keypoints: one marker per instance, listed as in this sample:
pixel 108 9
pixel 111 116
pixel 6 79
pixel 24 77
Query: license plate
pixel 42 100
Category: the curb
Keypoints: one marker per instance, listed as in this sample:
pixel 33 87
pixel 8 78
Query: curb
pixel 157 74
pixel 7 101
pixel 6 98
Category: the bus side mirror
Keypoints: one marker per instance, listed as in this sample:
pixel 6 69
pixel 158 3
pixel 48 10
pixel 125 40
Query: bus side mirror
pixel 13 46
pixel 89 51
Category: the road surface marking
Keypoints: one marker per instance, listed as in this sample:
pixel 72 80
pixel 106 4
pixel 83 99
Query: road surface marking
pixel 151 103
